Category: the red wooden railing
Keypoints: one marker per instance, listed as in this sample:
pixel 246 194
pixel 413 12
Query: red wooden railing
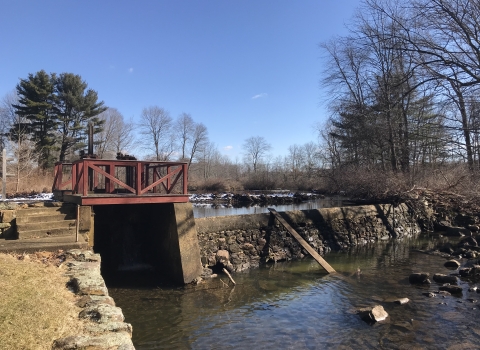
pixel 96 176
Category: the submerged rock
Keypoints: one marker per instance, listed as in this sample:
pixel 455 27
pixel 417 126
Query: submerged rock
pixel 401 301
pixel 457 232
pixel 442 278
pixel 373 314
pixel 419 278
pixel 452 263
pixel 452 289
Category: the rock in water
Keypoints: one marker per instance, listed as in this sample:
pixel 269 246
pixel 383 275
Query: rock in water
pixel 452 263
pixel 402 301
pixel 452 289
pixel 441 278
pixel 373 314
pixel 457 232
pixel 419 278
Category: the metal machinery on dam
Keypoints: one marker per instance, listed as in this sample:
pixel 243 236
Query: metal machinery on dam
pixel 132 210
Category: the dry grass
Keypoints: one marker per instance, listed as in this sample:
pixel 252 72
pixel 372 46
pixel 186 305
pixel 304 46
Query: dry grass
pixel 35 306
pixel 34 183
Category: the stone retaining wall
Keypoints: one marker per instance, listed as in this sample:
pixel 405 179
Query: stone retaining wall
pixel 105 328
pixel 242 242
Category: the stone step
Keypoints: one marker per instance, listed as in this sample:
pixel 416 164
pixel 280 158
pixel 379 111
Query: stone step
pixel 45 218
pixel 49 244
pixel 36 211
pixel 45 225
pixel 53 232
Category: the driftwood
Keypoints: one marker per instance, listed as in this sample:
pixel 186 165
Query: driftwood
pixel 229 276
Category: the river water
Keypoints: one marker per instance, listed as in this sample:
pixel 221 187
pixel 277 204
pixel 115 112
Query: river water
pixel 202 210
pixel 295 305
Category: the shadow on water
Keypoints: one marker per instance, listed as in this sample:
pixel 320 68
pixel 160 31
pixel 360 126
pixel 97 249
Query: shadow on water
pixel 296 305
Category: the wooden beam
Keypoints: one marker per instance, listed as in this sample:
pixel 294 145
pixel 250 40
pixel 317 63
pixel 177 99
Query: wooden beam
pixel 112 199
pixel 304 244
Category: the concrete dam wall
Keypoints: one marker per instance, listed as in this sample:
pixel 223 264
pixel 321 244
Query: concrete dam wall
pixel 253 239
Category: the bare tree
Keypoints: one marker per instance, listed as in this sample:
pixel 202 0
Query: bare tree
pixel 199 139
pixel 190 136
pixel 116 136
pixel 444 39
pixel 295 160
pixel 255 149
pixel 15 137
pixel 8 117
pixel 24 160
pixel 184 128
pixel 155 125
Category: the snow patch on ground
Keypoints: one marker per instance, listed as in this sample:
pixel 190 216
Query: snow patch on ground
pixel 35 197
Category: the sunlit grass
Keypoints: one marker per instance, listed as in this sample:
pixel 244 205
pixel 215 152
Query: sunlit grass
pixel 35 306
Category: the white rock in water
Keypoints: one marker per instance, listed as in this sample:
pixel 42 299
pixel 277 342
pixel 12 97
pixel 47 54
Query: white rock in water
pixel 373 314
pixel 402 301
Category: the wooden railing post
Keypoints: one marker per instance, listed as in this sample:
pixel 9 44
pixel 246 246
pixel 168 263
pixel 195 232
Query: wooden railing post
pixel 138 178
pixel 168 179
pixel 58 176
pixel 185 178
pixel 86 172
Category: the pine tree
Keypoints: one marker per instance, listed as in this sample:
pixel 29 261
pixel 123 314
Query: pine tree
pixel 38 111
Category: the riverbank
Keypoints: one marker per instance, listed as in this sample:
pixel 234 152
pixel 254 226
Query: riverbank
pixel 35 314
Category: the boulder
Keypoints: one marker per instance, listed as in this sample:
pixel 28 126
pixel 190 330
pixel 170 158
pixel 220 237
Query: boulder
pixel 457 232
pixel 451 289
pixel 466 271
pixel 102 313
pixel 114 340
pixel 442 225
pixel 446 248
pixel 452 263
pixel 108 327
pixel 373 314
pixel 222 256
pixel 442 278
pixel 89 300
pixel 473 228
pixel 401 301
pixel 92 284
pixel 471 254
pixel 468 241
pixel 419 278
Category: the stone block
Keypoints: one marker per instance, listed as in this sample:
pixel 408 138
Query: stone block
pixel 102 313
pixel 113 341
pixel 92 284
pixel 7 216
pixel 85 217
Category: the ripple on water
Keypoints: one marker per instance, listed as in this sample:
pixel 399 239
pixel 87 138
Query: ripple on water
pixel 296 305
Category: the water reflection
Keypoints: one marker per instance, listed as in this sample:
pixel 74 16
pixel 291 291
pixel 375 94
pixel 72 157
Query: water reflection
pixel 296 305
pixel 202 210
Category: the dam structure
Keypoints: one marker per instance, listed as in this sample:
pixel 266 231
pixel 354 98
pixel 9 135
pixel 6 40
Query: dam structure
pixel 130 211
pixel 137 214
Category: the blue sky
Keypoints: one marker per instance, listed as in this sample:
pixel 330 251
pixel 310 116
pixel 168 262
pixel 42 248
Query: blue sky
pixel 243 68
